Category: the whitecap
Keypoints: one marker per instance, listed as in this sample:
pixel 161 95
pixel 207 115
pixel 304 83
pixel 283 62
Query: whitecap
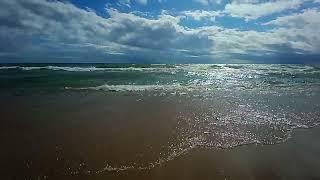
pixel 88 69
pixel 8 67
pixel 107 87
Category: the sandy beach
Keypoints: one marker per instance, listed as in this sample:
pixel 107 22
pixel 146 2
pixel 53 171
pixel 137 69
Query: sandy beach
pixel 98 135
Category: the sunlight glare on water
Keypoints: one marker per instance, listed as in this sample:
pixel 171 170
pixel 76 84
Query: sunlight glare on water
pixel 219 106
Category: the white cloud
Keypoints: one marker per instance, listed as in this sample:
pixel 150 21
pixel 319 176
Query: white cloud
pixel 207 2
pixel 250 9
pixel 301 30
pixel 199 14
pixel 241 42
pixel 128 2
pixel 63 22
pixel 307 17
pixel 124 3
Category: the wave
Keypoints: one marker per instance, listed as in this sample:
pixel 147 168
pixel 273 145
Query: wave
pixel 8 67
pixel 173 87
pixel 86 69
pixel 79 69
pixel 199 68
pixel 59 68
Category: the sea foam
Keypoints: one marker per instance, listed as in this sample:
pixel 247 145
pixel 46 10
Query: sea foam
pixel 172 87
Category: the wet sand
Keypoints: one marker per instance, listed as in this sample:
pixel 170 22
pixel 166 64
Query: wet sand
pixel 85 135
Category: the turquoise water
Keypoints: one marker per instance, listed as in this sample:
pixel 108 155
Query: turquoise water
pixel 174 78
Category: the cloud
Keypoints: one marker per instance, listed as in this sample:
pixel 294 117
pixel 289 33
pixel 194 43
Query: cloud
pixel 124 3
pixel 307 17
pixel 47 28
pixel 207 2
pixel 161 33
pixel 59 22
pixel 128 2
pixel 200 14
pixel 301 30
pixel 251 9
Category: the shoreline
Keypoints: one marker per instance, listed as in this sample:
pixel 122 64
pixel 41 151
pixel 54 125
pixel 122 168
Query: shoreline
pixel 64 135
pixel 253 161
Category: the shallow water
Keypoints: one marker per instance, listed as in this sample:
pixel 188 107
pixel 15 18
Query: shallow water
pixel 99 119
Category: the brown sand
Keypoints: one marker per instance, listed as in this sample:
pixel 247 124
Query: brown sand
pixel 76 135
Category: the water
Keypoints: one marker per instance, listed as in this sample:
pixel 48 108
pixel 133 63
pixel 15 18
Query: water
pixel 185 78
pixel 217 106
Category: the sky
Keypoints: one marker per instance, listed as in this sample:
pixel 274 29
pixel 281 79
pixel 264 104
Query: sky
pixel 160 31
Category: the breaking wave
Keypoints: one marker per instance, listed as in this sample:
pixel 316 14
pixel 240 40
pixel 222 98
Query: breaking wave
pixel 83 69
pixel 133 88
